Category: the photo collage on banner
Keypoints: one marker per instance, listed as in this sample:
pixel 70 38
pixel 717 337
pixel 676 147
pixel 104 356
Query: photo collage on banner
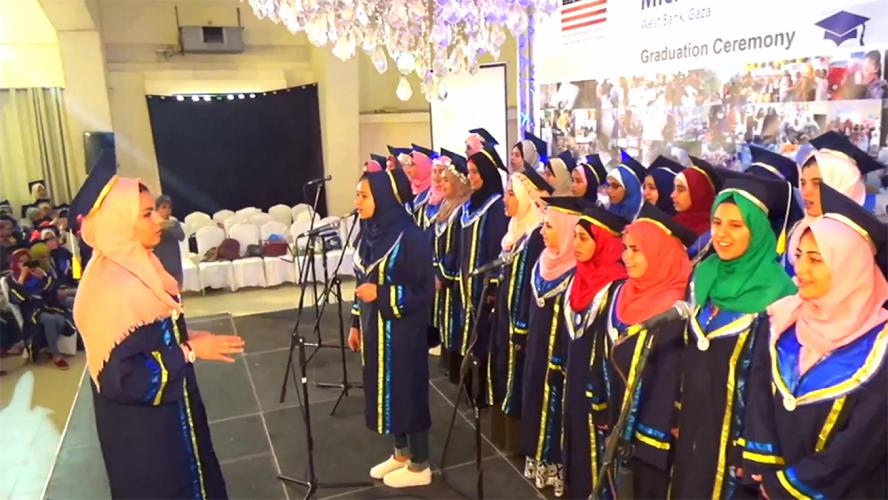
pixel 713 105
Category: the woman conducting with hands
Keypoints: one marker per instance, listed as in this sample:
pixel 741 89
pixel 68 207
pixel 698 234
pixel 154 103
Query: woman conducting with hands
pixel 150 418
pixel 393 264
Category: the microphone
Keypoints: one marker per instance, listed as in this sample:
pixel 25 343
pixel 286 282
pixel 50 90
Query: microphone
pixel 319 180
pixel 492 265
pixel 680 310
pixel 329 225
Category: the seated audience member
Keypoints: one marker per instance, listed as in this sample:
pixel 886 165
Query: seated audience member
pixel 168 250
pixel 29 287
pixel 10 236
pixel 62 297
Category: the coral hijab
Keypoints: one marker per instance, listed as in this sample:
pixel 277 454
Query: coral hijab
pixel 124 286
pixel 604 267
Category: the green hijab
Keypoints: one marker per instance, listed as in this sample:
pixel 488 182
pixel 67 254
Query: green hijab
pixel 751 282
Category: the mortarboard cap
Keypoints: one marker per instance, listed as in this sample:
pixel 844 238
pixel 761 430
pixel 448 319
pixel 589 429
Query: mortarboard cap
pixel 709 171
pixel 395 151
pixel 839 207
pixel 837 143
pixel 766 163
pixel 379 159
pixel 668 164
pixel 537 180
pixel 632 164
pixel 488 139
pixel 92 192
pixel 495 157
pixel 402 184
pixel 589 212
pixel 770 195
pixel 540 145
pixel 570 204
pixel 426 151
pixel 665 222
pixel 842 26
pixel 597 167
pixel 568 158
pixel 458 163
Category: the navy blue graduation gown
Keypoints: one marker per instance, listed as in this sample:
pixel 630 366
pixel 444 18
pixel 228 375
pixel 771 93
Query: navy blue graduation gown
pixel 583 443
pixel 715 371
pixel 448 312
pixel 480 242
pixel 394 335
pixel 822 434
pixel 544 367
pixel 151 420
pixel 509 339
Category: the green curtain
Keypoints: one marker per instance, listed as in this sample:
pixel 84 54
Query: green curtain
pixel 34 144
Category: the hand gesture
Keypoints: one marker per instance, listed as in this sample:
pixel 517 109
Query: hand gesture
pixel 216 347
pixel 354 339
pixel 366 292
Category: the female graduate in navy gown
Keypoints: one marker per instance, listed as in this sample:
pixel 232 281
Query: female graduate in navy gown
pixel 659 183
pixel 822 433
pixel 521 246
pixel 483 224
pixel 448 301
pixel 624 187
pixel 150 418
pixel 597 249
pixel 393 265
pixel 557 173
pixel 544 357
pixel 586 177
pixel 730 288
pixel 656 260
pixel 418 167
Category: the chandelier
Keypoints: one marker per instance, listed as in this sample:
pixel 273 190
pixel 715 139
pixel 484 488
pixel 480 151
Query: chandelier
pixel 432 38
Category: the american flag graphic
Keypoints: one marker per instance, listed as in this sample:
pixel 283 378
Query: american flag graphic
pixel 579 15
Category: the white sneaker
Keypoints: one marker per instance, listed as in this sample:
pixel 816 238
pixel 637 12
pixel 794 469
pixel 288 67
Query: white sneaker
pixel 529 468
pixel 379 471
pixel 406 478
pixel 435 351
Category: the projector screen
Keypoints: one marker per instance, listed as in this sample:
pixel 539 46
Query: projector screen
pixel 472 102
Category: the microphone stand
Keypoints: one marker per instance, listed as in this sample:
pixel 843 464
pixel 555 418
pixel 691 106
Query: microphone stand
pixel 617 449
pixel 471 365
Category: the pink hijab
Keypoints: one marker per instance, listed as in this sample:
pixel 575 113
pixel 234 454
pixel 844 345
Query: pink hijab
pixel 372 166
pixel 437 193
pixel 853 305
pixel 422 172
pixel 555 263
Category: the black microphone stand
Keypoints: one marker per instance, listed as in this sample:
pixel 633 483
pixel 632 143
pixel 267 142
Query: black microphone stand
pixel 617 449
pixel 471 365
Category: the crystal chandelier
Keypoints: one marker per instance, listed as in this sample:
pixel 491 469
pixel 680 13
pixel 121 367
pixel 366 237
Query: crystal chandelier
pixel 432 38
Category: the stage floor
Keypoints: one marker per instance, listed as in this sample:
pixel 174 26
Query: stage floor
pixel 256 437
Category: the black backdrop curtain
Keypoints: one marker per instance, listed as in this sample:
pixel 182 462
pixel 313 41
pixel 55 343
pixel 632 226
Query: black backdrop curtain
pixel 254 151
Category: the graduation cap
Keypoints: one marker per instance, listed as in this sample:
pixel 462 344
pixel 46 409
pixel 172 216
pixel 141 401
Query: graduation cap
pixel 709 171
pixel 379 159
pixel 395 151
pixel 403 191
pixel 633 165
pixel 540 145
pixel 93 191
pixel 537 180
pixel 664 221
pixel 590 213
pixel 766 163
pixel 568 158
pixel 458 164
pixel 667 164
pixel 570 204
pixel 597 167
pixel 426 151
pixel 495 157
pixel 488 139
pixel 842 26
pixel 769 195
pixel 839 207
pixel 836 143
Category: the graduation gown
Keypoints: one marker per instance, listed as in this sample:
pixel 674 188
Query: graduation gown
pixel 481 234
pixel 151 421
pixel 509 340
pixel 394 342
pixel 649 427
pixel 715 372
pixel 422 211
pixel 544 367
pixel 584 394
pixel 448 312
pixel 822 434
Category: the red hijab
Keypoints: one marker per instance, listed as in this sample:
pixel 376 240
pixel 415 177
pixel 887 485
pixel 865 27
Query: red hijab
pixel 604 267
pixel 702 194
pixel 665 279
pixel 14 265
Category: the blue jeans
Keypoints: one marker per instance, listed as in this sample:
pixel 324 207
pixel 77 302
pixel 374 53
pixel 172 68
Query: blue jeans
pixel 415 446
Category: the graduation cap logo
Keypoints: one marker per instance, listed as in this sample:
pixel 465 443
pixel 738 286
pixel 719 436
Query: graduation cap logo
pixel 842 26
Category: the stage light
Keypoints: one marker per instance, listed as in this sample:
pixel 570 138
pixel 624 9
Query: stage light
pixel 180 98
pixel 206 98
pixel 252 96
pixel 230 97
pixel 240 96
pixel 195 98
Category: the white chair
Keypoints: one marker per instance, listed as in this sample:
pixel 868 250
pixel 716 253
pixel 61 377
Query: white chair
pixel 248 211
pixel 190 271
pixel 212 274
pixel 258 219
pixel 233 221
pixel 278 269
pixel 301 211
pixel 281 213
pixel 247 271
pixel 220 216
pixel 195 221
pixel 9 306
